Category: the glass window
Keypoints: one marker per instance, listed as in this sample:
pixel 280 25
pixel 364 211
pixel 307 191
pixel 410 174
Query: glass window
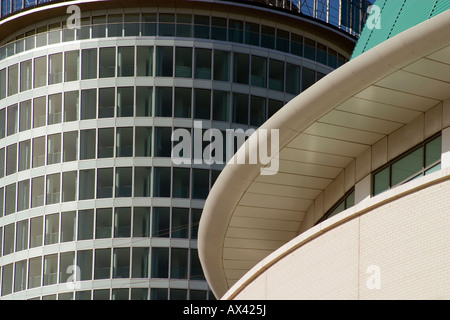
pixel 241 68
pixel 11 159
pixel 202 104
pixel 55 68
pixel 161 182
pixel 25 116
pixel 144 101
pixel 141 222
pixel 131 26
pixel 13 79
pixel 87 184
pixel 202 64
pixel 71 105
pixel 115 25
pixel 85 224
pixel 51 229
pixel 124 182
pixel 200 183
pixel 34 272
pixel 164 61
pixel 66 267
pixel 166 24
pixel 282 40
pixel 2 123
pixel 143 144
pixel 180 223
pixel 276 75
pixel 107 62
pixel 38 152
pixel 184 25
pixel 89 64
pixel 37 192
pixel 8 242
pixel 84 31
pixel 53 188
pixel 163 103
pixel 106 102
pixel 161 222
pixel 84 263
pixel 433 151
pixel 273 106
pixel 196 267
pixel 235 31
pixel 310 49
pixel 296 44
pixel 221 65
pixel 39 112
pixel 142 182
pixel 240 108
pixel 23 195
pixel 102 264
pixel 105 183
pixel 36 232
pixel 121 260
pixel 259 71
pixel 181 181
pixel 69 187
pixel 3 83
pixel 381 181
pixel 70 146
pixel 140 263
pixel 267 37
pixel 219 28
pixel 201 27
pixel 13 120
pixel 54 148
pixel 71 65
pixel 257 111
pixel 10 199
pixel 122 222
pixel 160 263
pixel 106 143
pixel 20 276
pixel 2 163
pixel 221 105
pixel 308 78
pixel 24 155
pixel 332 58
pixel 125 62
pixel 55 108
pixel 88 104
pixel 68 226
pixel 252 34
pixel 124 142
pixel 26 80
pixel 87 144
pixel 183 62
pixel 103 223
pixel 149 24
pixel 292 79
pixel 321 53
pixel 50 269
pixel 179 263
pixel 163 142
pixel 407 167
pixel 144 61
pixel 125 101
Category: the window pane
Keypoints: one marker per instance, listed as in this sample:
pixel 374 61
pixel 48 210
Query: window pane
pixel 23 196
pixel 85 224
pixel 276 75
pixel 122 222
pixel 11 159
pixel 163 102
pixel 3 83
pixel 66 267
pixel 103 223
pixel 221 65
pixel 166 24
pixel 149 24
pixel 179 263
pixel 183 62
pixel 202 64
pixel 268 37
pixel 381 181
pixel 55 68
pixel 53 188
pixel 180 223
pixel 240 108
pixel 259 71
pixel 13 120
pixel 273 106
pixel 10 199
pixel 68 226
pixel 71 105
pixel 8 242
pixel 241 68
pixel 142 182
pixel 141 222
pixel 161 182
pixel 51 229
pixel 36 232
pixel 87 184
pixel 106 102
pixel 121 260
pixel 143 147
pixel 87 144
pixel 195 219
pixel 50 269
pixel 202 104
pixel 13 79
pixel 236 31
pixel 292 79
pixel 221 105
pixel 26 80
pixel 180 185
pixel 84 263
pixel 308 78
pixel 257 111
pixel 88 104
pixel 164 61
pixel 20 276
pixel 105 183
pixel 407 166
pixel 196 267
pixel 200 183
pixel 433 151
pixel 102 264
pixel 105 143
pixel 22 235
pixel 252 34
pixel 140 263
pixel 160 263
pixel 69 188
pixel 123 182
pixel 125 102
pixel 184 25
pixel 282 41
pixel 125 63
pixel 54 148
pixel 88 64
pixel 161 222
pixel 219 28
pixel 25 116
pixel 144 61
pixel 34 272
pixel 124 142
pixel 55 108
pixel 144 101
pixel 2 163
pixel 2 123
pixel 107 62
pixel 38 152
pixel 201 27
pixel 72 66
pixel 115 25
pixel 70 146
pixel 163 143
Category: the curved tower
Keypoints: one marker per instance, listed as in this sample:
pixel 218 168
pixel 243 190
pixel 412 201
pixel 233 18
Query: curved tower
pixel 92 205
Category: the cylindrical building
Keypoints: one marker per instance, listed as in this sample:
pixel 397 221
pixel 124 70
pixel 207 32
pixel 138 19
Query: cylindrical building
pixel 91 204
